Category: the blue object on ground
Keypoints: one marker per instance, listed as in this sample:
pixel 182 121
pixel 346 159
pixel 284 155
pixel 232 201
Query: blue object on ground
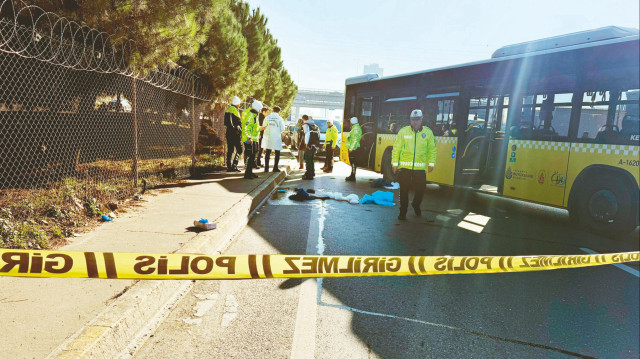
pixel 106 218
pixel 382 198
pixel 301 195
pixel 282 191
pixel 204 220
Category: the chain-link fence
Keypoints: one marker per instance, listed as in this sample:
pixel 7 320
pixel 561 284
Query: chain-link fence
pixel 77 121
pixel 70 109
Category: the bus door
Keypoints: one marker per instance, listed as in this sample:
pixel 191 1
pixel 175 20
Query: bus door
pixel 483 151
pixel 440 116
pixel 366 108
pixel 539 148
pixel 363 107
pixel 393 115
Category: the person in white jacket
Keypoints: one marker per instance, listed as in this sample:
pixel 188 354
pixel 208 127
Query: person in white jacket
pixel 272 140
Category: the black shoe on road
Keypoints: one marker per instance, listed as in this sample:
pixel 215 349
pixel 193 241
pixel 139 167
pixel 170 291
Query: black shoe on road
pixel 254 175
pixel 350 179
pixel 417 211
pixel 276 170
pixel 235 169
pixel 248 177
pixel 402 217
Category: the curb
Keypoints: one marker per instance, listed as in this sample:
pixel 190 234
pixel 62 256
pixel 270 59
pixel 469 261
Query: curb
pixel 110 333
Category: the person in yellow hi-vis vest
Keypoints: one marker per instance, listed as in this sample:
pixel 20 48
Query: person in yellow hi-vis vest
pixel 330 142
pixel 414 151
pixel 250 135
pixel 353 144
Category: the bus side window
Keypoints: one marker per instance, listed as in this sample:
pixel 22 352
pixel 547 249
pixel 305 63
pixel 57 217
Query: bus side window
pixel 523 128
pixel 430 114
pixel 395 115
pixel 627 117
pixel 593 116
pixel 545 117
pixel 552 117
pixel 445 119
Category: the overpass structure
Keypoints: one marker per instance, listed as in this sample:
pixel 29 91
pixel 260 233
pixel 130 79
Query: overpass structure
pixel 316 99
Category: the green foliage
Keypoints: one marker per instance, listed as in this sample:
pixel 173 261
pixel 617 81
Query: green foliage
pixel 54 211
pixel 222 58
pixel 57 232
pixel 91 209
pixel 33 236
pixel 9 235
pixel 225 42
pixel 20 235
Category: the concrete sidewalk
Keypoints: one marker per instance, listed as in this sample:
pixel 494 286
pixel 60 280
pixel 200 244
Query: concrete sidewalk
pixel 81 317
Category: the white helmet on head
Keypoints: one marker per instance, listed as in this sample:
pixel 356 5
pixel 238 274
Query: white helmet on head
pixel 417 114
pixel 235 100
pixel 354 120
pixel 256 105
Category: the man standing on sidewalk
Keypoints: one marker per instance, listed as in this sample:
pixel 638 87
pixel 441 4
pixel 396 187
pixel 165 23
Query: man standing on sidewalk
pixel 234 131
pixel 250 133
pixel 353 145
pixel 330 142
pixel 273 128
pixel 312 140
pixel 413 150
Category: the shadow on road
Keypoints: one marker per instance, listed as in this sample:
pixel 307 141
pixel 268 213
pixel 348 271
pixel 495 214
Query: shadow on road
pixel 510 314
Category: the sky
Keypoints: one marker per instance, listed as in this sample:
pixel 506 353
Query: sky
pixel 325 41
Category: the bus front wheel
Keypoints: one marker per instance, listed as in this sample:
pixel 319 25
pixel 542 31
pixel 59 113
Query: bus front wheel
pixel 604 205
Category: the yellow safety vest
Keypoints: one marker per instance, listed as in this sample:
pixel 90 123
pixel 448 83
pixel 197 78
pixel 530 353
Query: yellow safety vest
pixel 331 136
pixel 250 127
pixel 414 150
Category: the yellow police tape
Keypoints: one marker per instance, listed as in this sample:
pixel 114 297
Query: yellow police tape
pixel 30 263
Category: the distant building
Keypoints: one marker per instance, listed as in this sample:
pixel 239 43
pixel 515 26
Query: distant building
pixel 373 69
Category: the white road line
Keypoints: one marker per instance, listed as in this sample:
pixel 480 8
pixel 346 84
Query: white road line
pixel 621 266
pixel 304 335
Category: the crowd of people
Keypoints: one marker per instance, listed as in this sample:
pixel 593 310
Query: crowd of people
pixel 260 129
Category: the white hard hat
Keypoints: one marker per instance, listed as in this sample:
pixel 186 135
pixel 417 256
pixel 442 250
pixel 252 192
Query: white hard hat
pixel 256 105
pixel 416 114
pixel 235 100
pixel 354 120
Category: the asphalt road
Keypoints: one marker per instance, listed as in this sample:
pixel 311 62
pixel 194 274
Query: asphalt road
pixel 587 312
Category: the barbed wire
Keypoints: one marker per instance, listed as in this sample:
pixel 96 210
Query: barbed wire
pixel 31 32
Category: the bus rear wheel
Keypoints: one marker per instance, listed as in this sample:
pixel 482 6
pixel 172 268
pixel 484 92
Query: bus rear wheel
pixel 604 205
pixel 387 169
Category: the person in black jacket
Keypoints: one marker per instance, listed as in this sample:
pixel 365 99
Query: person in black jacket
pixel 234 131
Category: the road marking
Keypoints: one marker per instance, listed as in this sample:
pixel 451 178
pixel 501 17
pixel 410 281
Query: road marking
pixel 230 310
pixel 304 335
pixel 621 266
pixel 202 307
pixel 515 341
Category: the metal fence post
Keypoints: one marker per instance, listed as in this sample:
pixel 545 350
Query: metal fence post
pixel 193 125
pixel 134 107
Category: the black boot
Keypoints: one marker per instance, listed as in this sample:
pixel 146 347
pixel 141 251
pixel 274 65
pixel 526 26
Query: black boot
pixel 417 211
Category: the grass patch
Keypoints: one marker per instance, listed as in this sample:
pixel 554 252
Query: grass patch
pixel 44 217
